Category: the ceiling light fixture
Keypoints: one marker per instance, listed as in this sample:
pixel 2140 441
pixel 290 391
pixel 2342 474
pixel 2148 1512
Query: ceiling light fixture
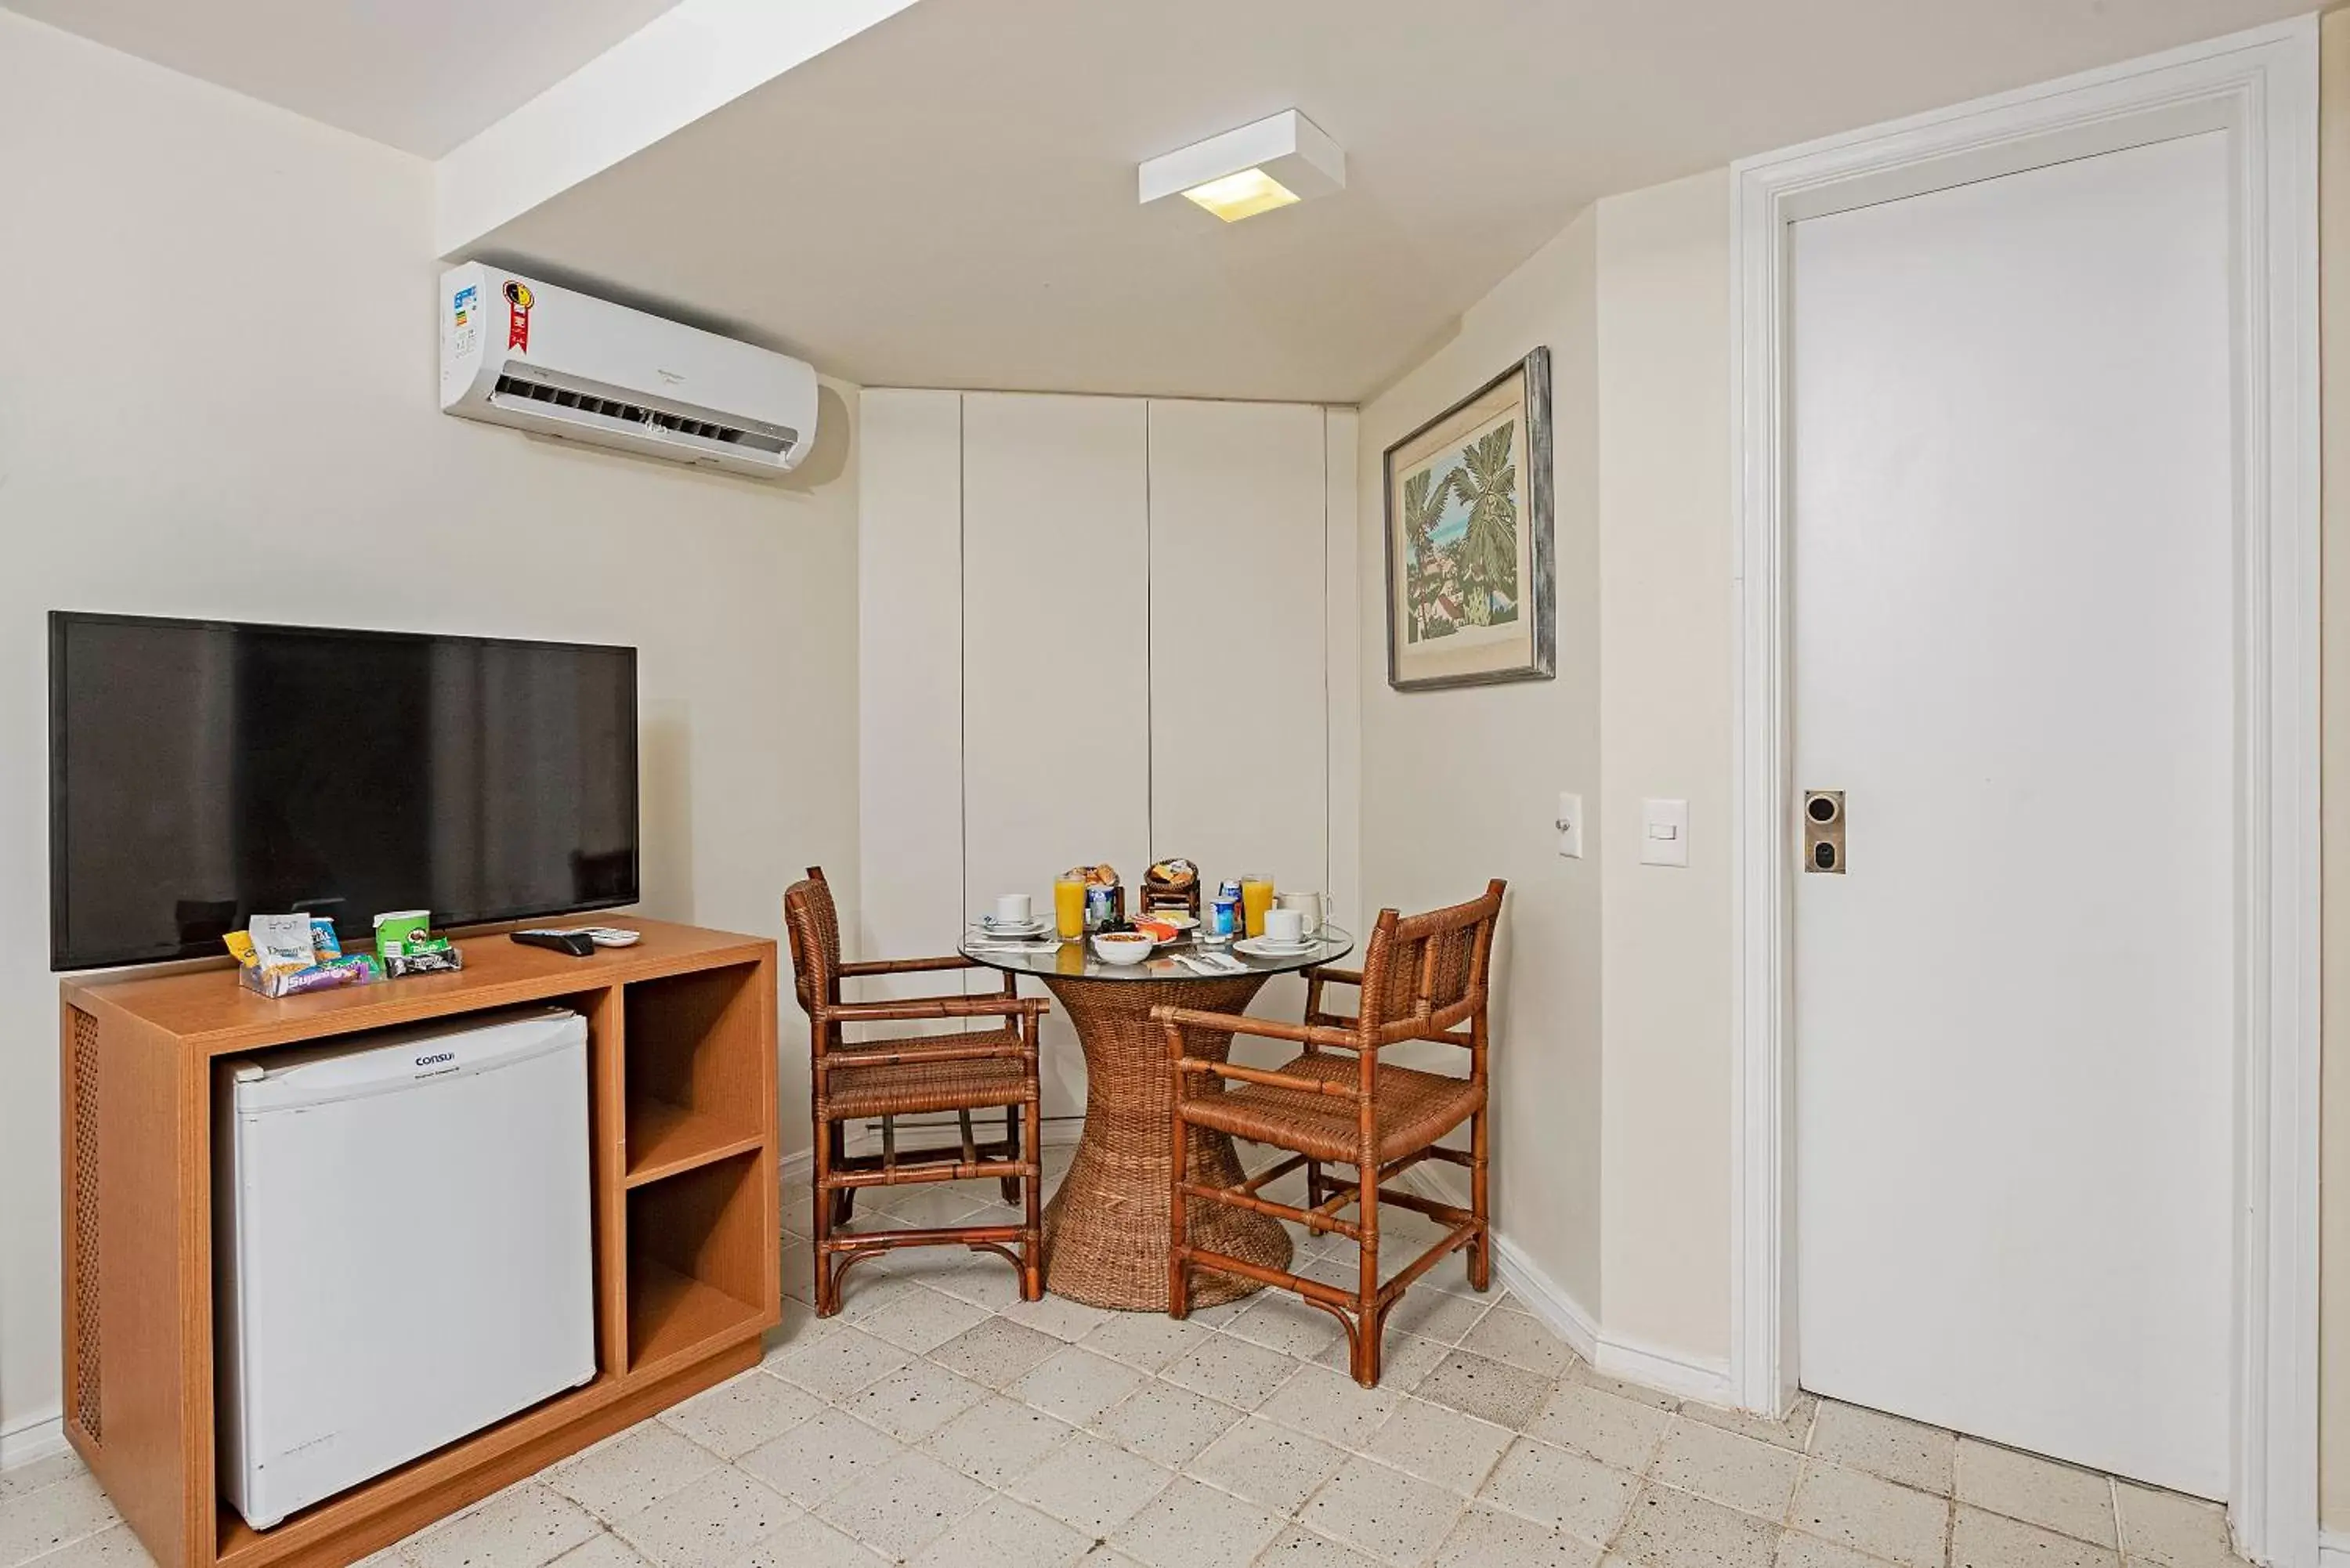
pixel 1276 161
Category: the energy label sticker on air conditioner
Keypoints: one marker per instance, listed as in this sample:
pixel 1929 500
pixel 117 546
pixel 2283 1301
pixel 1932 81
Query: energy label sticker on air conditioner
pixel 465 313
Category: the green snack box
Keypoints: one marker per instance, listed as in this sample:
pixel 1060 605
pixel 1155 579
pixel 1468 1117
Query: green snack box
pixel 396 931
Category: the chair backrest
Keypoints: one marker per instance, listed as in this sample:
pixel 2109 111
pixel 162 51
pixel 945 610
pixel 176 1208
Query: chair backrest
pixel 1424 975
pixel 813 924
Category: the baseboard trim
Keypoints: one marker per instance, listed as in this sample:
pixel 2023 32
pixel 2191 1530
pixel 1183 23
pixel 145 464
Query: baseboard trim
pixel 1666 1371
pixel 1542 1296
pixel 2333 1549
pixel 32 1439
pixel 1547 1299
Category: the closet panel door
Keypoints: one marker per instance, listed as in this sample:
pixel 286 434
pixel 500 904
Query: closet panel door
pixel 908 898
pixel 1240 704
pixel 1056 684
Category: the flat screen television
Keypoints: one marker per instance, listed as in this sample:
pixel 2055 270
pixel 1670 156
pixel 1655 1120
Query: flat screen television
pixel 204 772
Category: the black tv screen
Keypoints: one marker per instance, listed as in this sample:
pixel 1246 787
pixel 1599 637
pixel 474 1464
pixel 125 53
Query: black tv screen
pixel 204 772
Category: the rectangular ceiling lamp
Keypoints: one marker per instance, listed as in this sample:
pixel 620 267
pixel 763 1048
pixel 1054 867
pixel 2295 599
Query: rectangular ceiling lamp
pixel 1279 159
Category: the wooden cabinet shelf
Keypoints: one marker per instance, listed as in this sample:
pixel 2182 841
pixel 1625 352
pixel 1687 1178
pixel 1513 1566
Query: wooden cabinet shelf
pixel 665 1139
pixel 670 1314
pixel 683 1193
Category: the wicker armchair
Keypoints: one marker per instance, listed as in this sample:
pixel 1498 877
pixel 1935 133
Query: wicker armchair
pixel 1423 978
pixel 912 1076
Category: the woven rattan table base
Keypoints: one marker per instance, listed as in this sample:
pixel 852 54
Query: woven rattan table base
pixel 1106 1233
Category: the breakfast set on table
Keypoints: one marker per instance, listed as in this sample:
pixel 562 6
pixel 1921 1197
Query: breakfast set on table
pixel 1157 1212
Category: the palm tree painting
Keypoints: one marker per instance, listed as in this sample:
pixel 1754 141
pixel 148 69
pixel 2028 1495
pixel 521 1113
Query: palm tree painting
pixel 1468 519
pixel 1460 537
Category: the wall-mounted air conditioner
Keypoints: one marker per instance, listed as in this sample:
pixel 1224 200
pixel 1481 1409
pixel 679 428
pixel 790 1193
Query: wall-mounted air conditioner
pixel 538 358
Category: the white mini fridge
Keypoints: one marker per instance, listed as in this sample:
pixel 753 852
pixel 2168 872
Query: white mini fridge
pixel 401 1240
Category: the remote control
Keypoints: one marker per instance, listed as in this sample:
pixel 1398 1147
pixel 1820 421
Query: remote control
pixel 611 936
pixel 578 944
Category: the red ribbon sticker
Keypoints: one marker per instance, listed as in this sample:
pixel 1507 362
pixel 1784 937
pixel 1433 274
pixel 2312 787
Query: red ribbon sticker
pixel 518 315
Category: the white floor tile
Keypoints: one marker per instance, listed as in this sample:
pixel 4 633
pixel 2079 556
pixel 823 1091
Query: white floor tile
pixel 1551 1486
pixel 1003 1533
pixel 42 1519
pixel 1270 1465
pixel 634 1470
pixel 522 1527
pixel 1091 1485
pixel 1233 1371
pixel 741 1413
pixel 914 1401
pixel 717 1519
pixel 1383 1512
pixel 1076 1385
pixel 1164 1423
pixel 1189 1525
pixel 1488 1538
pixel 997 1439
pixel 1438 1443
pixel 901 1506
pixel 819 1456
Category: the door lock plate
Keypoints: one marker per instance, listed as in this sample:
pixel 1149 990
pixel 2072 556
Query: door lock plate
pixel 1824 832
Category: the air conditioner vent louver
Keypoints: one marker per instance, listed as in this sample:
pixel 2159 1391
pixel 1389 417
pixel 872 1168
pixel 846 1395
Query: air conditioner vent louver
pixel 637 413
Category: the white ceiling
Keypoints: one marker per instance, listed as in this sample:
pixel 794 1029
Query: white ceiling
pixel 417 75
pixel 947 199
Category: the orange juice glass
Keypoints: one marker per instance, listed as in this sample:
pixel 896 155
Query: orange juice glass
pixel 1069 907
pixel 1256 897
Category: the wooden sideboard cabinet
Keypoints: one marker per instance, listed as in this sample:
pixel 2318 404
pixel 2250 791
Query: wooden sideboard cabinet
pixel 682 1184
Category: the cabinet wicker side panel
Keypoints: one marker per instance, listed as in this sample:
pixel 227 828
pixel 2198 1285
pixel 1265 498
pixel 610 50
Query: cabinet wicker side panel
pixel 85 1367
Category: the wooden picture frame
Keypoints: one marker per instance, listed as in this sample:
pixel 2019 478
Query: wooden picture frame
pixel 1470 562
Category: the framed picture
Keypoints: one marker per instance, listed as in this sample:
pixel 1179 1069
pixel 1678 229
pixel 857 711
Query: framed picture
pixel 1469 539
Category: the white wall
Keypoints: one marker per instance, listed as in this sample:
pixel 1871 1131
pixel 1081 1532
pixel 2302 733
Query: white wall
pixel 1666 618
pixel 1462 786
pixel 217 399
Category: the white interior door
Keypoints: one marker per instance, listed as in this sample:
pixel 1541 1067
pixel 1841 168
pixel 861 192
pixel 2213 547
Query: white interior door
pixel 2012 603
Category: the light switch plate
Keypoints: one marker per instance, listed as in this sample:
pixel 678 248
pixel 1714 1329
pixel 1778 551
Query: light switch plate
pixel 1569 822
pixel 1664 832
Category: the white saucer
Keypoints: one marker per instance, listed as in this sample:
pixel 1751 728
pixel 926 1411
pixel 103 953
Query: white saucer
pixel 994 927
pixel 1265 947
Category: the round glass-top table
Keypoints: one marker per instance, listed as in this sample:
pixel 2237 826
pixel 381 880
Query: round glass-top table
pixel 1106 1232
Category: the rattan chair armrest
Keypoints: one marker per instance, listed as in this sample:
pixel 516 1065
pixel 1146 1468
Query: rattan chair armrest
pixel 1342 976
pixel 906 966
pixel 926 1055
pixel 933 1007
pixel 1264 1028
pixel 1234 1071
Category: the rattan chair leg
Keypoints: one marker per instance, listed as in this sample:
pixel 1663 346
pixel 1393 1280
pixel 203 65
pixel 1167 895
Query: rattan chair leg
pixel 1371 1332
pixel 828 1289
pixel 1010 1184
pixel 1315 1191
pixel 844 1200
pixel 1367 1279
pixel 1179 1233
pixel 1480 1249
pixel 1031 1243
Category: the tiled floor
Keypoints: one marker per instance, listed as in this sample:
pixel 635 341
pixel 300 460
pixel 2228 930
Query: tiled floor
pixel 941 1421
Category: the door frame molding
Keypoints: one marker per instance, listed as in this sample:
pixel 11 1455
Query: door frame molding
pixel 2261 88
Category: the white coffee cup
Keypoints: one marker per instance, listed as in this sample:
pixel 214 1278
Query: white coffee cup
pixel 1285 927
pixel 1012 910
pixel 1306 904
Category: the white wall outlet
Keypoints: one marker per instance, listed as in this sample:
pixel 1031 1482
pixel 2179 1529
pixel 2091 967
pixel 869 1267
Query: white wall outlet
pixel 1569 824
pixel 1664 832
